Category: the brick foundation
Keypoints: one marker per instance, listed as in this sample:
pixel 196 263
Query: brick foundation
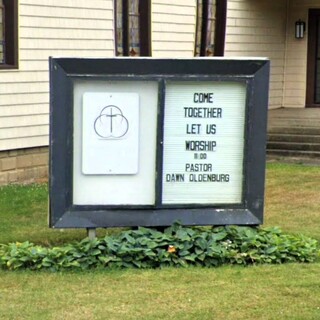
pixel 24 165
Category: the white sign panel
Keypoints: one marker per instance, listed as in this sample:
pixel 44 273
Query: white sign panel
pixel 203 142
pixel 136 187
pixel 110 133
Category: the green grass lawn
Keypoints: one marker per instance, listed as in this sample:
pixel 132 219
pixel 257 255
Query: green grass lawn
pixel 290 291
pixel 24 217
pixel 293 198
pixel 264 292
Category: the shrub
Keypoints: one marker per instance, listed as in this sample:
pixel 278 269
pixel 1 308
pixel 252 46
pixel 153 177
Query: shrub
pixel 176 246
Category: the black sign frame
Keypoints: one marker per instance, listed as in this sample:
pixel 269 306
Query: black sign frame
pixel 65 71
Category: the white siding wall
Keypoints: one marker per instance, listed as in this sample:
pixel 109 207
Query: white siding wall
pixel 258 28
pixel 296 58
pixel 76 28
pixel 173 28
pixel 81 28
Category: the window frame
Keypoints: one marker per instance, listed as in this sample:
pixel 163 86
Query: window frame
pixel 220 28
pixel 144 28
pixel 11 55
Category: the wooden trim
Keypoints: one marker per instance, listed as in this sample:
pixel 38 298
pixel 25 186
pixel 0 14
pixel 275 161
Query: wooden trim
pixel 204 27
pixel 115 27
pixel 311 56
pixel 220 29
pixel 313 36
pixel 196 31
pixel 144 27
pixel 11 35
pixel 125 27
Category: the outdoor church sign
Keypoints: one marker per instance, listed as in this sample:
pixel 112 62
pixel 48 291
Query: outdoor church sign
pixel 146 142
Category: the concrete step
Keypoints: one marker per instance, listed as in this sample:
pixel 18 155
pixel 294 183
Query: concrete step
pixel 295 130
pixel 294 134
pixel 294 123
pixel 303 114
pixel 285 118
pixel 298 146
pixel 307 138
pixel 294 153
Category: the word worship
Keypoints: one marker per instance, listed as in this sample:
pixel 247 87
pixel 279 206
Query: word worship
pixel 200 145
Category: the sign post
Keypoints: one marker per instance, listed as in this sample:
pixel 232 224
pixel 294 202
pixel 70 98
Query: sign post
pixel 146 142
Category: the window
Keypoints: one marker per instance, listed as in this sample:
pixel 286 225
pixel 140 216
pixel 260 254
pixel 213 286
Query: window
pixel 9 34
pixel 210 27
pixel 132 19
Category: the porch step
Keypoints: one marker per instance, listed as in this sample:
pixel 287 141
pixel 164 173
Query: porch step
pixel 295 146
pixel 296 130
pixel 294 142
pixel 310 123
pixel 289 137
pixel 294 133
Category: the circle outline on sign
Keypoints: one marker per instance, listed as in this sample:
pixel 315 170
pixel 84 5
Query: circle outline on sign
pixel 120 114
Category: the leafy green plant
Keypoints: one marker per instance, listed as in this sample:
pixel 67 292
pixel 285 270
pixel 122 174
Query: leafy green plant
pixel 176 246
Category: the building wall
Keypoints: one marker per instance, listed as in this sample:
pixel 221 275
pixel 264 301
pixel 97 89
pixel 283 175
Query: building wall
pixel 48 28
pixel 78 28
pixel 73 28
pixel 173 28
pixel 296 57
pixel 258 29
pixel 24 165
